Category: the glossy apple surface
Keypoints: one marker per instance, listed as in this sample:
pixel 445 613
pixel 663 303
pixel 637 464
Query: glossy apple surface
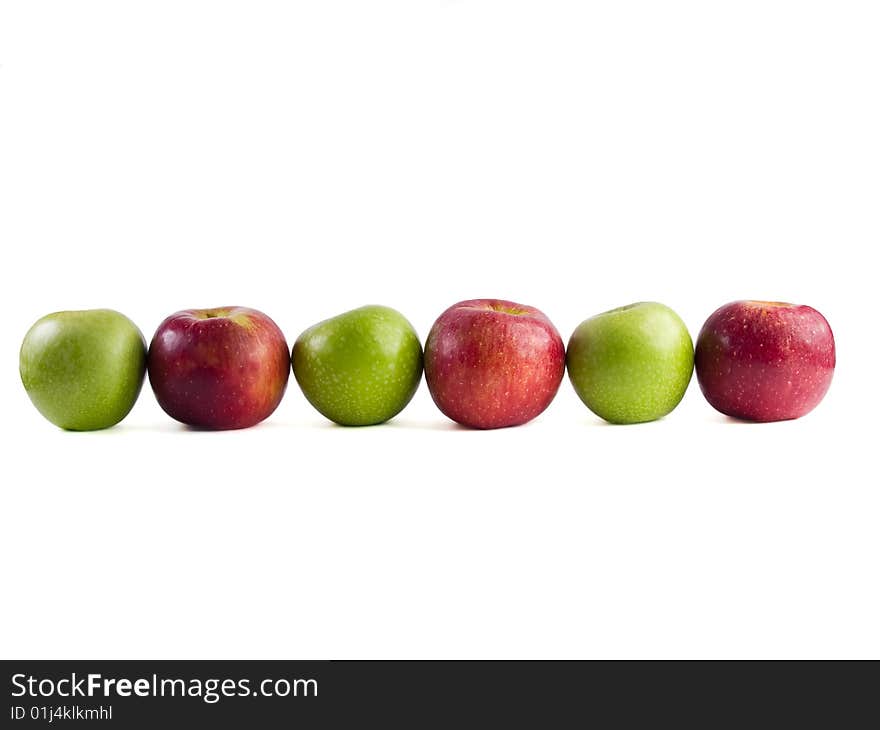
pixel 83 370
pixel 219 368
pixel 359 368
pixel 765 361
pixel 631 364
pixel 491 363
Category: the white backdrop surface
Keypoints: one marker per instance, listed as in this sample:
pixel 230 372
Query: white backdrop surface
pixel 306 158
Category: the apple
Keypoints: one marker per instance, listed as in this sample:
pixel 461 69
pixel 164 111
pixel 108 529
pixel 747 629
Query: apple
pixel 765 361
pixel 359 368
pixel 491 363
pixel 83 370
pixel 631 364
pixel 218 368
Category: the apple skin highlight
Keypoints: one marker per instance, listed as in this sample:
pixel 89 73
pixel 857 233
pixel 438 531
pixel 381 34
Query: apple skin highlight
pixel 222 368
pixel 765 361
pixel 492 363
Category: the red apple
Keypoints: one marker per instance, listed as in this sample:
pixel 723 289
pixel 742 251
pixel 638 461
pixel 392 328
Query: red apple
pixel 219 368
pixel 490 363
pixel 765 361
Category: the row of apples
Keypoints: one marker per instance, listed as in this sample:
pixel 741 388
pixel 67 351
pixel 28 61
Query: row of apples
pixel 488 363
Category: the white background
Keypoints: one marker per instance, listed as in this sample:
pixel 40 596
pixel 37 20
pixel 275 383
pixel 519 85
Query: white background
pixel 307 158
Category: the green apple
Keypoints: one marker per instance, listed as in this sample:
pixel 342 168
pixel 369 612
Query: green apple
pixel 361 367
pixel 83 370
pixel 631 364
